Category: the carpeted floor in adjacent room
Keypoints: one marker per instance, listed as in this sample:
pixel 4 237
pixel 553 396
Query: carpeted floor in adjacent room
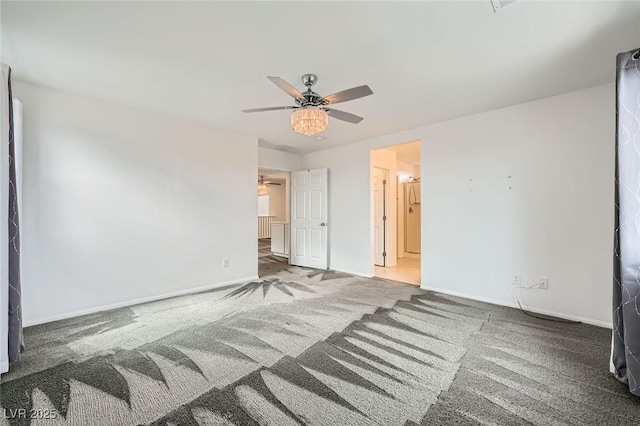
pixel 317 347
pixel 269 263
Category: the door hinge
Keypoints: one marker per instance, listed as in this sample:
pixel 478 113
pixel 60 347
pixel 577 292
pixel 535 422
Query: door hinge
pixel 384 218
pixel 384 181
pixel 384 254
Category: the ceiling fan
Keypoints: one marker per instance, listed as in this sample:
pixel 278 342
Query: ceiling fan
pixel 263 188
pixel 261 181
pixel 311 113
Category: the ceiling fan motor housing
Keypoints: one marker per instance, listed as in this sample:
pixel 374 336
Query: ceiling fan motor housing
pixel 309 79
pixel 310 98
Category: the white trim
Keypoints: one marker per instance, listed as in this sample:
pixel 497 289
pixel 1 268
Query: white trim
pixel 138 301
pixel 4 367
pixel 591 321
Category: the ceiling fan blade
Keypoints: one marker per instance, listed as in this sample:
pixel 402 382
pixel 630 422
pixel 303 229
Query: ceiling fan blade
pixel 273 183
pixel 344 116
pixel 292 91
pixel 268 109
pixel 349 94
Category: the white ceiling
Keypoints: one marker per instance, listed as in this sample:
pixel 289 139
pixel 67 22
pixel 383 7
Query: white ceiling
pixel 425 61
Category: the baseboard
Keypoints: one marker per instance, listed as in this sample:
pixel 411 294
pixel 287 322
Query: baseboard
pixel 357 274
pixel 137 301
pixel 4 367
pixel 590 321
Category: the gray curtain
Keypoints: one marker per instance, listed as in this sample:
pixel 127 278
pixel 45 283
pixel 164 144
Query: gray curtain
pixel 16 338
pixel 625 356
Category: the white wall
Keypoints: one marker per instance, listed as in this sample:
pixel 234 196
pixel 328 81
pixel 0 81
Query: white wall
pixel 555 222
pixel 349 215
pixel 278 202
pixel 271 159
pixel 263 205
pixel 122 205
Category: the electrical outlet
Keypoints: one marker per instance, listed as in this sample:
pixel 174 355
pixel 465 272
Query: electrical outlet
pixel 517 279
pixel 543 283
pixel 225 262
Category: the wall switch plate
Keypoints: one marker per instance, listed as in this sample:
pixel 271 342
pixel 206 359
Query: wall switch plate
pixel 543 283
pixel 225 262
pixel 517 279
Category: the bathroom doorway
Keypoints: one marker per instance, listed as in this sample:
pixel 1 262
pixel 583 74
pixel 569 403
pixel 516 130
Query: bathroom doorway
pixel 401 211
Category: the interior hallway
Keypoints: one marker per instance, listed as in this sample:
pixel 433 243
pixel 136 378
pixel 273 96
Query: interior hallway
pixel 268 263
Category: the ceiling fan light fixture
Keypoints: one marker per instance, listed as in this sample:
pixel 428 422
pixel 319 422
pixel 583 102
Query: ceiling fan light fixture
pixel 309 121
pixel 263 189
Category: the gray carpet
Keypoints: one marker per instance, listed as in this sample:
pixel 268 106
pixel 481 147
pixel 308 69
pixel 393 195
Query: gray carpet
pixel 321 348
pixel 268 263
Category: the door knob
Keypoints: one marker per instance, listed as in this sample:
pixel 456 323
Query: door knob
pixel 323 224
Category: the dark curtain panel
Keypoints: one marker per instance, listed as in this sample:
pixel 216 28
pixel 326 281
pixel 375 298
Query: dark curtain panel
pixel 625 357
pixel 16 339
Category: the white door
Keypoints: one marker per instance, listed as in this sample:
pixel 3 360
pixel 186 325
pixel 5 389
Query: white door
pixel 309 193
pixel 379 215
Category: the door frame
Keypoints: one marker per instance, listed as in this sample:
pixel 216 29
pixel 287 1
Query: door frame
pixel 391 237
pixel 385 214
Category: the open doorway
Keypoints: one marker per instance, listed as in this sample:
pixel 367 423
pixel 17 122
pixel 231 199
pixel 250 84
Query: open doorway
pixel 396 212
pixel 273 221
